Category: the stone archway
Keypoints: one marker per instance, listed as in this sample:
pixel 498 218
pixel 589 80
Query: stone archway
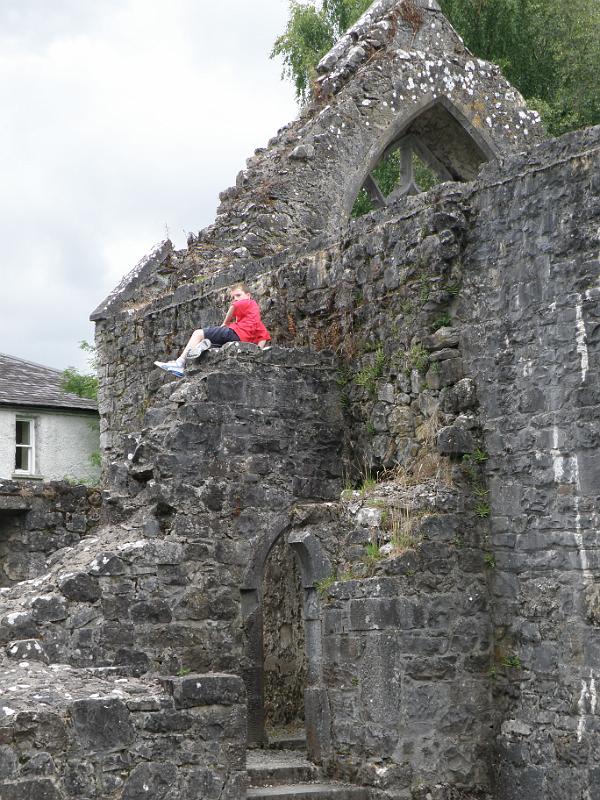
pixel 314 566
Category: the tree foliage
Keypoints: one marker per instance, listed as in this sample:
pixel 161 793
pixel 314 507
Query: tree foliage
pixel 81 383
pixel 548 49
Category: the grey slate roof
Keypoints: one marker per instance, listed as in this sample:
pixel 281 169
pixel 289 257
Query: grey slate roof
pixel 23 383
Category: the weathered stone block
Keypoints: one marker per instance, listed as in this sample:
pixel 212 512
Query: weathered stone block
pixel 401 422
pixel 46 730
pixel 17 625
pixel 375 614
pixel 429 669
pixel 81 588
pixel 27 650
pixel 102 724
pixel 207 689
pixel 318 724
pixel 465 394
pixel 150 780
pixel 77 523
pixel 513 782
pixel 150 611
pixel 235 786
pixel 444 373
pixel 592 603
pixel 594 783
pixel 39 764
pixel 8 762
pixel 116 608
pixel 108 564
pixel 443 355
pixel 454 440
pixel 303 152
pixel 116 635
pixel 203 783
pixel 169 722
pixel 442 338
pixel 49 608
pixel 38 789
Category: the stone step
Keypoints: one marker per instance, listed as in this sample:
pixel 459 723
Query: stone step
pixel 288 741
pixel 277 767
pixel 309 791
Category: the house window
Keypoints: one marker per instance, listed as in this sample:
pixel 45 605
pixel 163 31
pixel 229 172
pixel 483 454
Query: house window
pixel 25 446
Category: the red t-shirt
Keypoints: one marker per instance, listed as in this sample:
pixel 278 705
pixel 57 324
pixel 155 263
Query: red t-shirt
pixel 248 324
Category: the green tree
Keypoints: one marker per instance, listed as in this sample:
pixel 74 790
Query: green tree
pixel 81 383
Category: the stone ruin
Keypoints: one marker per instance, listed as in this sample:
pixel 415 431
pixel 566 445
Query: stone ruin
pixel 385 529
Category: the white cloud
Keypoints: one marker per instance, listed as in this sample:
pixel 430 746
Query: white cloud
pixel 118 118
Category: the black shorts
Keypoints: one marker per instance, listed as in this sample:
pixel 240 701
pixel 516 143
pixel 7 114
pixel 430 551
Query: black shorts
pixel 220 335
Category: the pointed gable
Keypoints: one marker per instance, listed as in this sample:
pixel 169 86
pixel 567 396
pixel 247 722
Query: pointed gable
pixel 400 78
pixel 401 72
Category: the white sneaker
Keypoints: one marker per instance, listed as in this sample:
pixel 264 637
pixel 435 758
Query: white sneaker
pixel 170 366
pixel 198 349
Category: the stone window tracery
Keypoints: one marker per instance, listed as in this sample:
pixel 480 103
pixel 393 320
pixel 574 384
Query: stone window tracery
pixel 438 144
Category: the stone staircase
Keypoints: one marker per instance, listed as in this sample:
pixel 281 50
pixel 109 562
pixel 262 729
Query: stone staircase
pixel 287 775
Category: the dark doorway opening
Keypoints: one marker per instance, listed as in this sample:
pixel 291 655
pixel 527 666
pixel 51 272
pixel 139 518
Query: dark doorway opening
pixel 284 655
pixel 290 639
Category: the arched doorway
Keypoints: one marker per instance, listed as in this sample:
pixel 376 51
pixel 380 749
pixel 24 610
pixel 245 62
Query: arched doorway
pixel 284 649
pixel 314 566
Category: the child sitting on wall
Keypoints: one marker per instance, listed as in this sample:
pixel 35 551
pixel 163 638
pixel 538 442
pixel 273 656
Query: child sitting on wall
pixel 242 323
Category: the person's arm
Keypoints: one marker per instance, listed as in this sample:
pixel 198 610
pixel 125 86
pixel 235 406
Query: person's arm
pixel 229 316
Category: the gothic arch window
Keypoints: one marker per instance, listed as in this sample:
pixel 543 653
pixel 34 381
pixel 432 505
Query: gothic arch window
pixel 437 144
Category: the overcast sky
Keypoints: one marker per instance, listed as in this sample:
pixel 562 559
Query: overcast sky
pixel 121 120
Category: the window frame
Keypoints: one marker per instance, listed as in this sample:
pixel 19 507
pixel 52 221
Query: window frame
pixel 30 447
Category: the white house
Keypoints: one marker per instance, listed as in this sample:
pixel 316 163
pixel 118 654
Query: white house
pixel 45 433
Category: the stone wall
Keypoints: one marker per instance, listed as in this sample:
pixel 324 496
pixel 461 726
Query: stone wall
pixel 36 520
pixel 407 641
pixel 531 303
pixel 388 283
pixel 90 735
pixel 407 661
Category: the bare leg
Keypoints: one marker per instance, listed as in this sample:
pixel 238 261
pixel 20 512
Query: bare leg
pixel 195 338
